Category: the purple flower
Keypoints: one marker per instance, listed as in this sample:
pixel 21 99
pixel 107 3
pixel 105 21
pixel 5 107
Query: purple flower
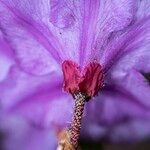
pixel 38 36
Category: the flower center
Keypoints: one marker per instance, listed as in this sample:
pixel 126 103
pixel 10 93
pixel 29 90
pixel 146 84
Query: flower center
pixel 87 81
pixel 83 85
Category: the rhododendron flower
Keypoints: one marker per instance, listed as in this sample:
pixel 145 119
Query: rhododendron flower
pixel 93 50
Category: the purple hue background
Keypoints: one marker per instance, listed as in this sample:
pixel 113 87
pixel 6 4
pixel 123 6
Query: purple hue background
pixel 36 36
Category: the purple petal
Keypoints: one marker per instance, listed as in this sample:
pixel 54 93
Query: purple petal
pixel 99 19
pixel 35 34
pixel 5 50
pixel 93 21
pixel 120 106
pixel 5 64
pixel 18 134
pixel 5 58
pixel 62 13
pixel 134 43
pixel 39 36
pixel 90 24
pixel 32 49
pixel 18 84
pixel 33 96
pixel 143 9
pixel 135 130
pixel 51 111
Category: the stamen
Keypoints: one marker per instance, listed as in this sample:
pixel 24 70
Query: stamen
pixel 68 139
pixel 80 100
pixel 83 85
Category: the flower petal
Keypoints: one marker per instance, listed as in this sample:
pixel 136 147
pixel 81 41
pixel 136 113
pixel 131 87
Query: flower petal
pixel 118 105
pixel 33 51
pixel 5 50
pixel 18 134
pixel 99 19
pixel 52 110
pixel 42 98
pixel 93 22
pixel 89 25
pixel 135 44
pixel 6 60
pixel 143 9
pixel 18 84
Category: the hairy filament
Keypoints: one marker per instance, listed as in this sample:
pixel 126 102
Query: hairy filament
pixel 80 100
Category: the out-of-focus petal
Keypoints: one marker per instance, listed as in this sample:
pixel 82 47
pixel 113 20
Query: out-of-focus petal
pixel 5 50
pixel 120 104
pixel 5 64
pixel 18 84
pixel 19 134
pixel 134 130
pixel 53 110
pixel 32 96
pixel 6 58
pixel 143 9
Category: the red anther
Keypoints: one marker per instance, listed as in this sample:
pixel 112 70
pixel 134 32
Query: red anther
pixel 88 81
